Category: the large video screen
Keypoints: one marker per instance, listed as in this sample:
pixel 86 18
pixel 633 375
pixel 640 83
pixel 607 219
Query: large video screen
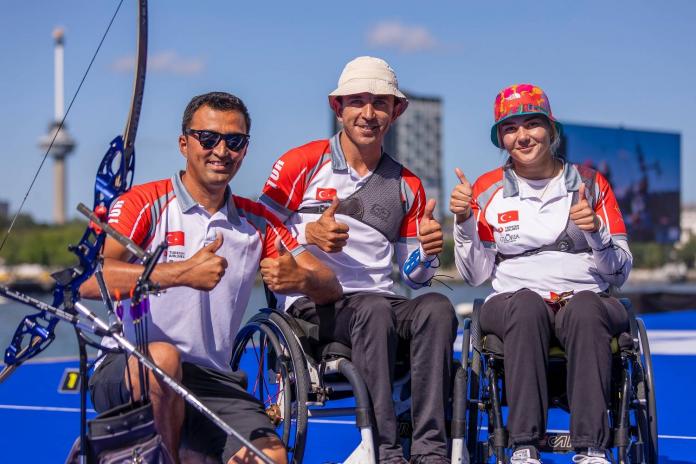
pixel 644 170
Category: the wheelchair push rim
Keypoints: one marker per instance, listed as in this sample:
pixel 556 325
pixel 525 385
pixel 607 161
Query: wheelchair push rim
pixel 646 408
pixel 266 349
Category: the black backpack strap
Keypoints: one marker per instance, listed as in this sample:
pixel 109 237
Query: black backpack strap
pixel 565 241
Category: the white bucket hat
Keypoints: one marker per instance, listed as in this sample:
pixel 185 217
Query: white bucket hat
pixel 371 75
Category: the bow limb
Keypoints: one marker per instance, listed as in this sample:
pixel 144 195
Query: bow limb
pixel 114 177
pixel 131 129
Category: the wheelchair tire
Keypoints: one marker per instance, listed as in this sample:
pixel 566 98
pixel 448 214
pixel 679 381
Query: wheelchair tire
pixel 475 448
pixel 646 410
pixel 277 375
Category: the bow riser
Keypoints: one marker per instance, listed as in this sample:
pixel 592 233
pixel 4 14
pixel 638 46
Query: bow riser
pixel 35 332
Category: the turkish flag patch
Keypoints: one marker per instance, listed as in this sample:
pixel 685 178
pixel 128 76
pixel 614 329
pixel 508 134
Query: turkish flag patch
pixel 326 194
pixel 508 216
pixel 175 238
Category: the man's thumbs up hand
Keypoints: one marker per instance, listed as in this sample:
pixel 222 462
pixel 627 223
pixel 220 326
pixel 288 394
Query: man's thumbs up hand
pixel 281 273
pixel 327 233
pixel 429 209
pixel 330 212
pixel 280 248
pixel 205 269
pixel 430 231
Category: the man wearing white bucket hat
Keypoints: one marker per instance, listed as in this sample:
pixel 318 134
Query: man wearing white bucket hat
pixel 356 208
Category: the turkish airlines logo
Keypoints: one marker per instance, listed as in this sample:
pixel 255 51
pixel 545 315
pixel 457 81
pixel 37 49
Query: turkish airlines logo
pixel 508 216
pixel 175 238
pixel 326 194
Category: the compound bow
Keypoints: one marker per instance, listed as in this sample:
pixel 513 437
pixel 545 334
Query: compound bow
pixel 114 177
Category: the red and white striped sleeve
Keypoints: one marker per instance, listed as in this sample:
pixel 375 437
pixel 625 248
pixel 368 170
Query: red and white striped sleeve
pixel 285 187
pixel 408 247
pixel 416 200
pixel 612 257
pixel 607 208
pixel 268 227
pixel 131 216
pixel 474 243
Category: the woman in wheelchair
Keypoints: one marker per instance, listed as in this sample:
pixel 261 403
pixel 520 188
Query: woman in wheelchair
pixel 550 236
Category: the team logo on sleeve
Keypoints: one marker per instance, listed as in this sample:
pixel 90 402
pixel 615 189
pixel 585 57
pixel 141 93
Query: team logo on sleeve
pixel 508 216
pixel 326 194
pixel 275 174
pixel 175 238
pixel 115 212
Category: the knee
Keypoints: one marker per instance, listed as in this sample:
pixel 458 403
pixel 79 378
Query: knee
pixel 270 446
pixel 585 309
pixel 373 310
pixel 526 306
pixel 167 357
pixel 435 309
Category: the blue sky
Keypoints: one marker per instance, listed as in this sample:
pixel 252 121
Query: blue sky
pixel 603 63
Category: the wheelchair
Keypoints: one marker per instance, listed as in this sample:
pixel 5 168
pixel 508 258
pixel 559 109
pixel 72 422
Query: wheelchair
pixel 295 377
pixel 632 410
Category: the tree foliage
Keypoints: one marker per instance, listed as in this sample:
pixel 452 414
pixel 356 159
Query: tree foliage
pixel 42 244
pixel 650 255
pixel 687 252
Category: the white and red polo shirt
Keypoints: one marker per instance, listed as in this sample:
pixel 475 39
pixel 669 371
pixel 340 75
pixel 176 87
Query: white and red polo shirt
pixel 511 215
pixel 201 324
pixel 315 173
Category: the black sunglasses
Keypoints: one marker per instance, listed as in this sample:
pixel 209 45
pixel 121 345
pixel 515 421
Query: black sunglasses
pixel 210 139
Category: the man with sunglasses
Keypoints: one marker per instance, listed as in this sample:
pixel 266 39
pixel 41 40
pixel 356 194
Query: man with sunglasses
pixel 356 209
pixel 193 321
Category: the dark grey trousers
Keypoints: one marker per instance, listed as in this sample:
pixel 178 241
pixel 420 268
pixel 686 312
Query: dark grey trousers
pixel 584 327
pixel 371 324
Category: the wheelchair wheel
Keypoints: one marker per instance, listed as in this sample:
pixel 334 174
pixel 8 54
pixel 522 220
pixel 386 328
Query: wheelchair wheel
pixel 267 350
pixel 477 452
pixel 646 409
pixel 460 392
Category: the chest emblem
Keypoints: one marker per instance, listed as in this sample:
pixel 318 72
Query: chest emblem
pixel 325 194
pixel 508 216
pixel 175 238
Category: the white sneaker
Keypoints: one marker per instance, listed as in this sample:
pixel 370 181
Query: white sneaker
pixel 593 456
pixel 523 456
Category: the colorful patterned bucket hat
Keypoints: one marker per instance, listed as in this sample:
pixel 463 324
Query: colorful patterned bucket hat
pixel 517 100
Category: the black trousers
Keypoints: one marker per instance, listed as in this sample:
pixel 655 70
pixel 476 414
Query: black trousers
pixel 371 324
pixel 584 327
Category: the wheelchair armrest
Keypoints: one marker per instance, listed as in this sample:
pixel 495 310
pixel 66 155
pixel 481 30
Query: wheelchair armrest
pixel 309 330
pixel 334 350
pixel 494 345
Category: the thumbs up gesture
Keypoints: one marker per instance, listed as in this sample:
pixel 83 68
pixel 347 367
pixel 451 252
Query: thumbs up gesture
pixel 281 274
pixel 460 200
pixel 582 214
pixel 205 269
pixel 429 231
pixel 327 233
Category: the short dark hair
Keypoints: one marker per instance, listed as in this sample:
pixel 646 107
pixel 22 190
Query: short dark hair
pixel 221 101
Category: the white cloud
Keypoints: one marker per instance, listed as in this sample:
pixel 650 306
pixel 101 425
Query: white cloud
pixel 405 38
pixel 165 62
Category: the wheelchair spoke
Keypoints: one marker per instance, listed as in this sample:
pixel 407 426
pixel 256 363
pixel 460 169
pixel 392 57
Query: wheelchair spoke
pixel 259 354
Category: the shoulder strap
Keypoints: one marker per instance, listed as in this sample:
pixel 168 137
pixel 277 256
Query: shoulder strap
pixel 377 203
